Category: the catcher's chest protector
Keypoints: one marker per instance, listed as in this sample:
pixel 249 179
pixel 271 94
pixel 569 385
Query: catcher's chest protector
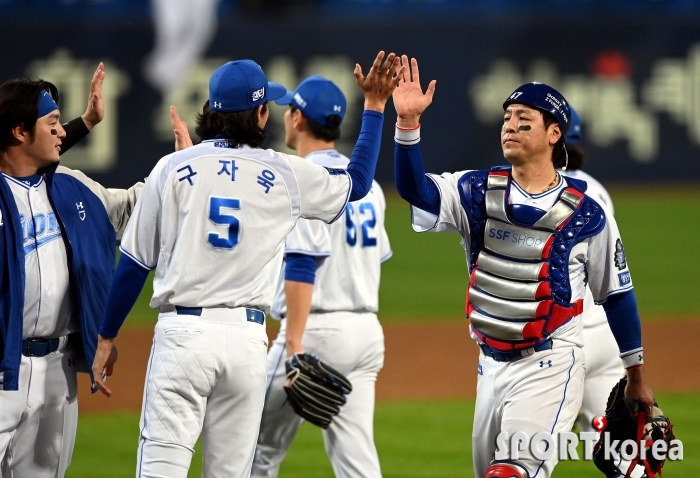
pixel 519 290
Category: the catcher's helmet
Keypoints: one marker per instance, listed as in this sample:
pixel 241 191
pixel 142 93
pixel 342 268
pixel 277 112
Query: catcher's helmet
pixel 574 135
pixel 544 98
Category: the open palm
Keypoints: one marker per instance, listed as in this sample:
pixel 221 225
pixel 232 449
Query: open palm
pixel 409 100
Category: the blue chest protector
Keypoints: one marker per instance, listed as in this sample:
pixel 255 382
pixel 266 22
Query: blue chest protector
pixel 519 291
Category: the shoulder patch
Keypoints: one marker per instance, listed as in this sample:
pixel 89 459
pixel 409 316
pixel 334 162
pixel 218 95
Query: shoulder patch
pixel 620 259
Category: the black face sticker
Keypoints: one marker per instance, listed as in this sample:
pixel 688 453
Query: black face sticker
pixel 620 259
pixel 525 127
pixel 54 132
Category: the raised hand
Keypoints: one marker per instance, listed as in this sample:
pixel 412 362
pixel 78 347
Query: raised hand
pixel 380 82
pixel 95 111
pixel 182 134
pixel 409 100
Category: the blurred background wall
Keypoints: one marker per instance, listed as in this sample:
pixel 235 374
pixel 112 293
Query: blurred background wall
pixel 630 67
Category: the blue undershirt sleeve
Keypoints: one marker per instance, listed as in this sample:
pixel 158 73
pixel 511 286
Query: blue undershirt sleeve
pixel 300 268
pixel 411 182
pixel 127 283
pixel 623 318
pixel 363 161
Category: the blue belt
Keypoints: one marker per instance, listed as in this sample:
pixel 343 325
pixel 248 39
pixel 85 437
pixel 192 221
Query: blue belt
pixel 511 355
pixel 39 347
pixel 252 315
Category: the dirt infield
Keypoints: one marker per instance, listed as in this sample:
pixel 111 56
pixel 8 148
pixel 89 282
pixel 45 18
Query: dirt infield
pixel 423 361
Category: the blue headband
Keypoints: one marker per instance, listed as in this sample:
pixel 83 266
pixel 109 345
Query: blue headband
pixel 46 104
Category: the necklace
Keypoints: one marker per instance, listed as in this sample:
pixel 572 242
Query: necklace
pixel 554 182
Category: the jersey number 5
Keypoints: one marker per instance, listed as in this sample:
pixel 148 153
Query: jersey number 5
pixel 367 225
pixel 222 218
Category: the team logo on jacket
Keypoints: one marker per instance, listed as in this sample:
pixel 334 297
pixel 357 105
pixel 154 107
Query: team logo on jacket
pixel 620 260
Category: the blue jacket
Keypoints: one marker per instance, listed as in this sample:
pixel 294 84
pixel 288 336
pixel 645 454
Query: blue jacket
pixel 91 218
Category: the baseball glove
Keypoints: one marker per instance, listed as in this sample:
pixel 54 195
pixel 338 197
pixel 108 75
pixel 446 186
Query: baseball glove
pixel 621 425
pixel 315 390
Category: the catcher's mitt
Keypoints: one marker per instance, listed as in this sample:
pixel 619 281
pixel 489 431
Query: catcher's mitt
pixel 314 389
pixel 621 425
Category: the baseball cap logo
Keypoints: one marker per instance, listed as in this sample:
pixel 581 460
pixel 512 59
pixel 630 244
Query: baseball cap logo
pixel 337 108
pixel 299 100
pixel 217 105
pixel 515 95
pixel 257 95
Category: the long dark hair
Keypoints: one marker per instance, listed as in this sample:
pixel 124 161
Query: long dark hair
pixel 239 127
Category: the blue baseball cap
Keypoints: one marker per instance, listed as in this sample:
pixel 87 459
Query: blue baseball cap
pixel 317 98
pixel 574 135
pixel 544 98
pixel 241 85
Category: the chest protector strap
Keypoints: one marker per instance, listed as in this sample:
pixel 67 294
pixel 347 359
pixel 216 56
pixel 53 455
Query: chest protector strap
pixel 510 303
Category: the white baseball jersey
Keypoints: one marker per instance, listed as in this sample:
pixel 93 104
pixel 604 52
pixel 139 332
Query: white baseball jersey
pixel 48 305
pixel 598 261
pixel 592 314
pixel 348 280
pixel 212 222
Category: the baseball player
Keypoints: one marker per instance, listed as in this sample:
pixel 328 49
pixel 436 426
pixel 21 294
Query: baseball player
pixel 534 242
pixel 212 222
pixel 58 232
pixel 327 298
pixel 604 368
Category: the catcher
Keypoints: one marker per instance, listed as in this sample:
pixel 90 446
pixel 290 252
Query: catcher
pixel 627 421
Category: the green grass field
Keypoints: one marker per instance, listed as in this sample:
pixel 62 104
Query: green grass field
pixel 426 278
pixel 414 440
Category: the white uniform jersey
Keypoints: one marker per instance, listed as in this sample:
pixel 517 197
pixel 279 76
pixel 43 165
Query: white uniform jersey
pixel 593 314
pixel 598 261
pixel 351 251
pixel 48 305
pixel 212 221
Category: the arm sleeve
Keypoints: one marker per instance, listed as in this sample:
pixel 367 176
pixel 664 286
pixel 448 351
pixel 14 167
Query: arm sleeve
pixel 300 268
pixel 411 182
pixel 127 283
pixel 363 161
pixel 119 203
pixel 621 310
pixel 75 131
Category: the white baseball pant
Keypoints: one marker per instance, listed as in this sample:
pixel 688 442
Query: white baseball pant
pixel 538 393
pixel 206 375
pixel 603 370
pixel 353 343
pixel 38 422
